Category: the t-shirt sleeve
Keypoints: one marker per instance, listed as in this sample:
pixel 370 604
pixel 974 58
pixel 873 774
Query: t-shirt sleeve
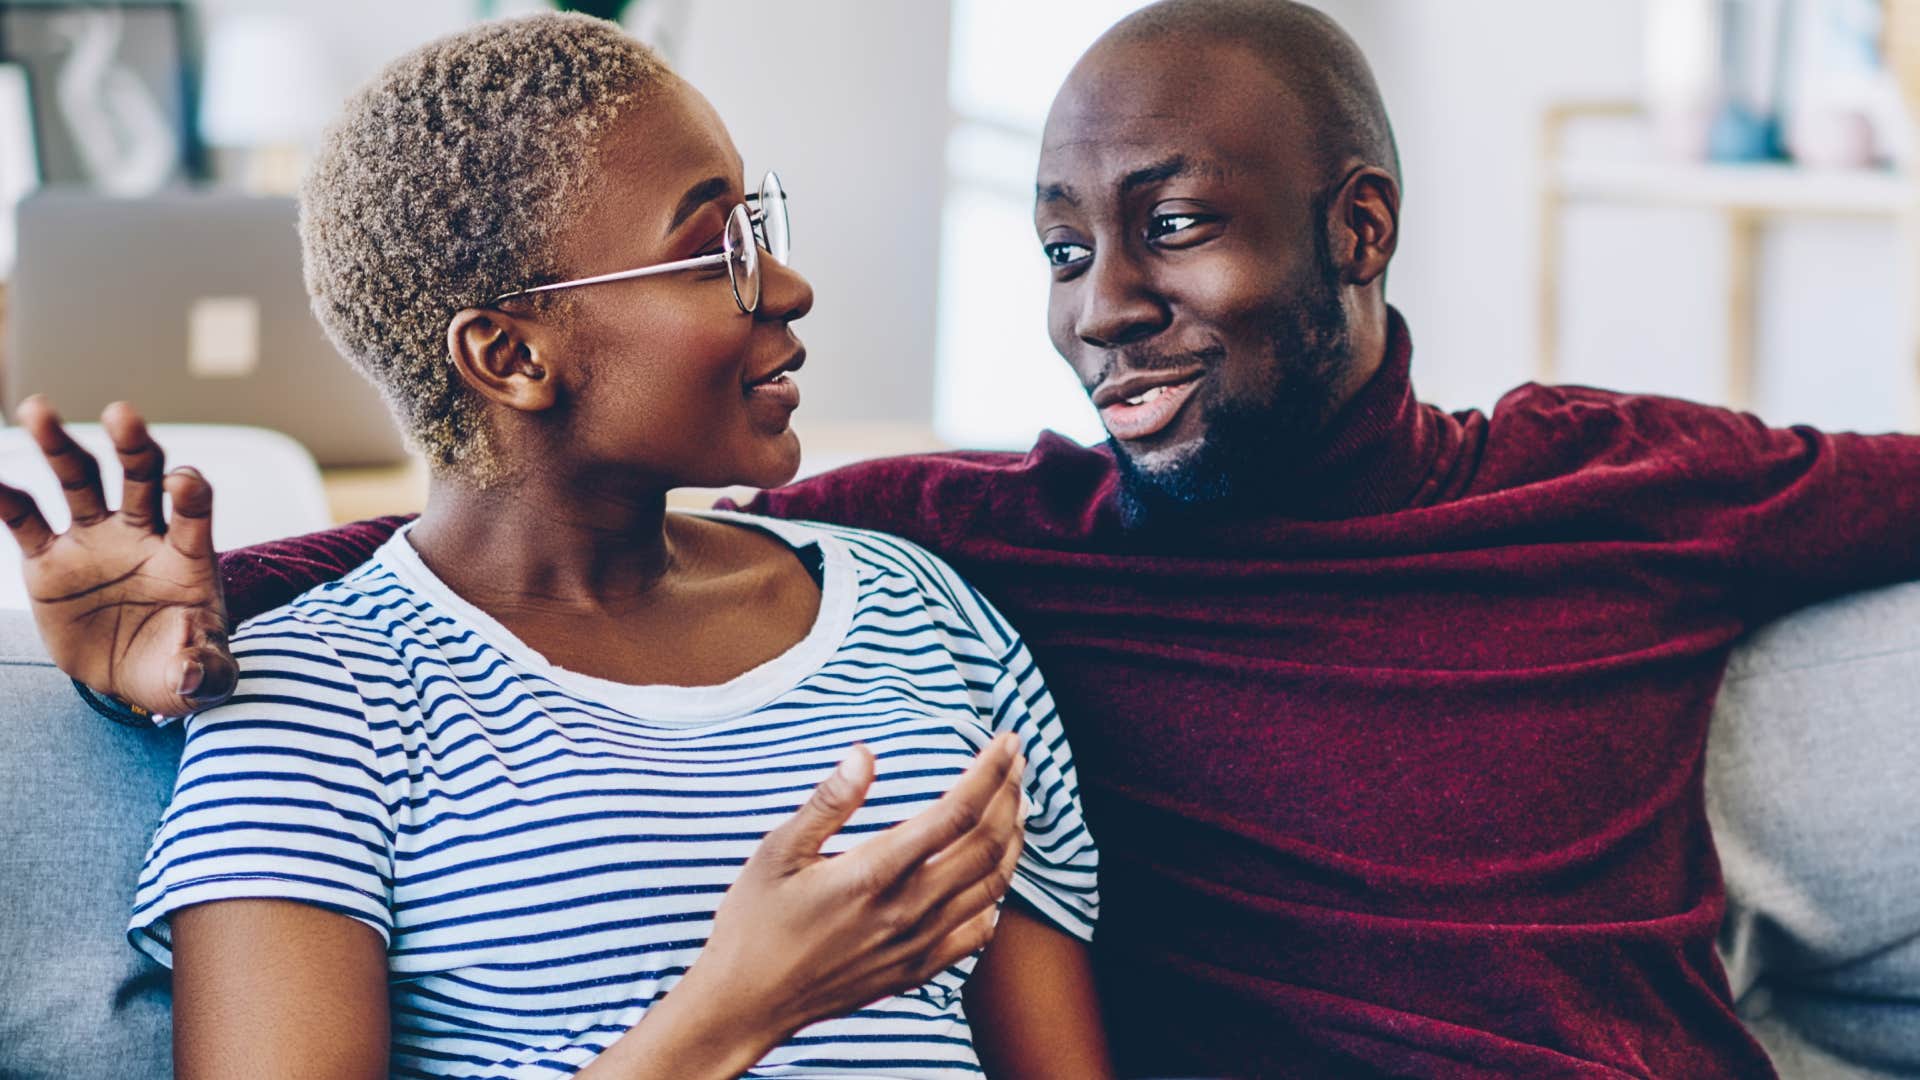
pixel 1058 870
pixel 285 792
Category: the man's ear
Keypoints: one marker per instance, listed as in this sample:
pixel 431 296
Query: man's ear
pixel 498 355
pixel 1366 225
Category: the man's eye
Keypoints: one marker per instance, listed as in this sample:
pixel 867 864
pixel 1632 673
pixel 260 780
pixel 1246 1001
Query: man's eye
pixel 1164 225
pixel 1065 254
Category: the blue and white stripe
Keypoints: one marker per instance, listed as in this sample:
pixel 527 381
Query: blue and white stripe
pixel 543 851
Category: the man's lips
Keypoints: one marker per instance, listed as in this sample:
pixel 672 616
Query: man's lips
pixel 1140 406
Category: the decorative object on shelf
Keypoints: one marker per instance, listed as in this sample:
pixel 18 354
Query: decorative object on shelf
pixel 266 95
pixel 1715 71
pixel 660 23
pixel 1753 41
pixel 1842 103
pixel 19 161
pixel 110 89
pixel 610 10
pixel 1683 74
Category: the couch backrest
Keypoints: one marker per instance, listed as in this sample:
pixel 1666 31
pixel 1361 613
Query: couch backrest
pixel 1813 788
pixel 79 797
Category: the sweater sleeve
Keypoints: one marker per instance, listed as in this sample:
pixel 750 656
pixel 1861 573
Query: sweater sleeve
pixel 265 576
pixel 1799 514
pixel 1836 513
pixel 1782 516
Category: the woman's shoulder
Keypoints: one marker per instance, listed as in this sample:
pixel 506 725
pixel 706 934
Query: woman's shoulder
pixel 891 569
pixel 367 612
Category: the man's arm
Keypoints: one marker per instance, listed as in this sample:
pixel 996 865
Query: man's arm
pixel 133 604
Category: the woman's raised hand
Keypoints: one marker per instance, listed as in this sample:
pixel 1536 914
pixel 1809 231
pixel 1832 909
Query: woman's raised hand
pixel 127 602
pixel 802 937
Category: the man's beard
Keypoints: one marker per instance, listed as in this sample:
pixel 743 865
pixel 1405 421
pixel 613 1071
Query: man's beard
pixel 1252 447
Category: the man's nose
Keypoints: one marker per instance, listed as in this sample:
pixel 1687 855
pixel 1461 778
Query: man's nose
pixel 1118 304
pixel 785 295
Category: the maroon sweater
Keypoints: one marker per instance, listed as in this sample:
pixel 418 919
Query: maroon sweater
pixel 1403 778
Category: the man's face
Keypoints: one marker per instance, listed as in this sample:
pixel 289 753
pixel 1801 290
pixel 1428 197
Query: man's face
pixel 1184 215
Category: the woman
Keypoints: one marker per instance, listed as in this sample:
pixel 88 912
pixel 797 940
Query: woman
pixel 494 803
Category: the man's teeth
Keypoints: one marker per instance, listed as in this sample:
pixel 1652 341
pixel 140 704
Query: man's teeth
pixel 1142 399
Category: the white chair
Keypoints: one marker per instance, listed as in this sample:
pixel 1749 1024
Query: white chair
pixel 265 485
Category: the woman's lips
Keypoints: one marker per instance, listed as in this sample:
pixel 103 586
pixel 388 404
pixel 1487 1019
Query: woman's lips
pixel 1156 408
pixel 775 398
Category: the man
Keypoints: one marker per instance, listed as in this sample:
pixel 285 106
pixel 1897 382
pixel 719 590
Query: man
pixel 1389 720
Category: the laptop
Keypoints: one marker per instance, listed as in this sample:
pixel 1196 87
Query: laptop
pixel 190 305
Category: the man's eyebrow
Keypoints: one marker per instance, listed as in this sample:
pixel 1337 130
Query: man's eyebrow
pixel 1164 169
pixel 696 197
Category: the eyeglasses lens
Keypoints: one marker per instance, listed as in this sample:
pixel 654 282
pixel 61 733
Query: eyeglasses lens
pixel 743 260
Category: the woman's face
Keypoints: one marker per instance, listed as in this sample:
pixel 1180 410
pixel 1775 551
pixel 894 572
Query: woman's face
pixel 665 376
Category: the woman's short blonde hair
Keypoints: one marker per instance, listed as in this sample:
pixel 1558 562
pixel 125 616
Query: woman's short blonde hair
pixel 443 185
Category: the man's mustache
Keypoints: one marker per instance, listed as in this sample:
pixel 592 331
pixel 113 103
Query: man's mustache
pixel 1145 360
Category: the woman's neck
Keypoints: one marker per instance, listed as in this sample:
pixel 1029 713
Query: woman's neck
pixel 547 544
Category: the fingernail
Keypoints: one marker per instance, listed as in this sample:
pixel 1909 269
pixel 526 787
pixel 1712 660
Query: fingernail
pixel 192 674
pixel 849 769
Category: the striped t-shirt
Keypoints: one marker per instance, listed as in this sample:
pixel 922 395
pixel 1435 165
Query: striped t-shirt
pixel 543 851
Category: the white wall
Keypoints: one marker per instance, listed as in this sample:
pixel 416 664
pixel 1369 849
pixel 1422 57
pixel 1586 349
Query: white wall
pixel 848 100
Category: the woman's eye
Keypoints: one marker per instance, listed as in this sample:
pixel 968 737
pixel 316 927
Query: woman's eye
pixel 1065 254
pixel 1165 225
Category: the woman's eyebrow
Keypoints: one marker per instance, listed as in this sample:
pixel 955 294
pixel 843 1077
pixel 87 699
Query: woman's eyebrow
pixel 697 196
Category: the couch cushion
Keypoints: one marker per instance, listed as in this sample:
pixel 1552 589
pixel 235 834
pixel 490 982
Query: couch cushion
pixel 1813 788
pixel 79 797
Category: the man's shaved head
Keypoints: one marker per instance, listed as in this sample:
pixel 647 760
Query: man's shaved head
pixel 1218 200
pixel 1306 49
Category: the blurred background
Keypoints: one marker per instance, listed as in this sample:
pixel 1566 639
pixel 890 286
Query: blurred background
pixel 1707 198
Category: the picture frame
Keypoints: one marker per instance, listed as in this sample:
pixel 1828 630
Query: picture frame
pixel 112 90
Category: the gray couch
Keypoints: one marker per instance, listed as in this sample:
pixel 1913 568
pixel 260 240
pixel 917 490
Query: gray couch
pixel 1814 780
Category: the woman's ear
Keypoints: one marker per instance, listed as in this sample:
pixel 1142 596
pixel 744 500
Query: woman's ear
pixel 1366 225
pixel 498 355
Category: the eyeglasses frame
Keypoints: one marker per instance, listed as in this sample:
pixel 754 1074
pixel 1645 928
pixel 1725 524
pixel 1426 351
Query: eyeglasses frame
pixel 769 185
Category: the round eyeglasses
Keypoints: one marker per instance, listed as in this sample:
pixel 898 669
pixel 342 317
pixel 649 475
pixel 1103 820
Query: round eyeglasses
pixel 759 223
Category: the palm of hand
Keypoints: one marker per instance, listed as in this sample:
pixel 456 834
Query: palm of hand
pixel 116 603
pixel 127 603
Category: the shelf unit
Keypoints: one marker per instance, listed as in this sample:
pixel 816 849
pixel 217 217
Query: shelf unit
pixel 1745 197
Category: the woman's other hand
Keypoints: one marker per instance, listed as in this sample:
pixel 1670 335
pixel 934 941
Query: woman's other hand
pixel 127 602
pixel 802 937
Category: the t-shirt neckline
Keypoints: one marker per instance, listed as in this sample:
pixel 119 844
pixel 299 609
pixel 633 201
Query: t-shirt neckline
pixel 743 694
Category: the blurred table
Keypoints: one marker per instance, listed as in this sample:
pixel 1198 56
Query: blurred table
pixel 358 494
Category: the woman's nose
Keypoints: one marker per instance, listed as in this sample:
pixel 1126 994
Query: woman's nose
pixel 785 295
